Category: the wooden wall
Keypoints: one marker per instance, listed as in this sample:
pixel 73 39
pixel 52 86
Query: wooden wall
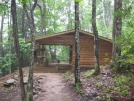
pixel 87 51
pixel 86 48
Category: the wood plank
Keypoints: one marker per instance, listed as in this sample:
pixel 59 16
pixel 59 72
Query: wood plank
pixel 57 40
pixel 90 54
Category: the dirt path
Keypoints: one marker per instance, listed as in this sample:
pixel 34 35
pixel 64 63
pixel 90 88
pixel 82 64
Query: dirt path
pixel 53 89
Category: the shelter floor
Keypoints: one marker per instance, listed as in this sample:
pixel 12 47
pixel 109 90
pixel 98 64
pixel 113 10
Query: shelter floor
pixel 58 68
pixel 53 68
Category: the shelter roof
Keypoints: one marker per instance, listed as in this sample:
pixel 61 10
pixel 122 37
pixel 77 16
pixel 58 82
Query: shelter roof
pixel 66 33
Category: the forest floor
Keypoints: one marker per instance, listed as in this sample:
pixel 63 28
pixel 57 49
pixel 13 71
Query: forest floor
pixel 55 89
pixel 107 86
pixel 47 87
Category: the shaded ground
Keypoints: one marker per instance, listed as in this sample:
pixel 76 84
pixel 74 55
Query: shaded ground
pixel 107 86
pixel 54 89
pixel 11 93
pixel 47 87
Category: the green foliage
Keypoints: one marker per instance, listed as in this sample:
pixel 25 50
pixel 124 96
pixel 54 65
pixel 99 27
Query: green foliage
pixel 126 11
pixel 126 43
pixel 9 61
pixel 5 62
pixel 78 0
pixel 89 73
pixel 1 84
pixel 119 80
pixel 106 57
pixel 5 91
pixel 125 40
pixel 103 98
pixel 24 47
pixel 122 84
pixel 37 12
pixel 118 13
pixel 98 77
pixel 106 91
pixel 98 85
pixel 23 1
pixel 68 76
pixel 62 53
pixel 124 90
pixel 79 90
pixel 3 8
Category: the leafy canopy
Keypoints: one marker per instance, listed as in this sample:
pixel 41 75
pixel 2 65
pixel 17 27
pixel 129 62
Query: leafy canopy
pixel 23 1
pixel 78 0
pixel 3 8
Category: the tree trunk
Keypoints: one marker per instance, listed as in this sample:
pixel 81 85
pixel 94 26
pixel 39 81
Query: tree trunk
pixel 32 14
pixel 17 47
pixel 29 94
pixel 10 34
pixel 117 26
pixel 1 32
pixel 23 23
pixel 9 40
pixel 43 14
pixel 1 44
pixel 96 40
pixel 53 53
pixel 69 25
pixel 77 45
pixel 104 13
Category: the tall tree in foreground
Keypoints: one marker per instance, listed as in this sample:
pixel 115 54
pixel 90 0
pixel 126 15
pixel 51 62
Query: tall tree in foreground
pixel 77 45
pixel 117 26
pixel 1 33
pixel 29 94
pixel 17 47
pixel 96 40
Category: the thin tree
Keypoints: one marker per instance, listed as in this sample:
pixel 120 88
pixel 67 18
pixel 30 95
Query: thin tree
pixel 1 29
pixel 117 26
pixel 29 94
pixel 43 17
pixel 17 47
pixel 69 25
pixel 77 44
pixel 1 34
pixel 96 40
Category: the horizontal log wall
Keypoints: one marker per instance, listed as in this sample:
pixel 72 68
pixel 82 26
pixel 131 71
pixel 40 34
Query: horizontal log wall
pixel 87 51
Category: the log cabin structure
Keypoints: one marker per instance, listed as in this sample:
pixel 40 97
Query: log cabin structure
pixel 68 38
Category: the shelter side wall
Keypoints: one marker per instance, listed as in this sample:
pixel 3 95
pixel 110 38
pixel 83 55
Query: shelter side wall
pixel 87 52
pixel 105 52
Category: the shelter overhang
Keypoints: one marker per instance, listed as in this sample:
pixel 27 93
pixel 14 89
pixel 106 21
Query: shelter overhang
pixel 63 38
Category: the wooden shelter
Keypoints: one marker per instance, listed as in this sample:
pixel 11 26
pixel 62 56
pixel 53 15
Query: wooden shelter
pixel 68 38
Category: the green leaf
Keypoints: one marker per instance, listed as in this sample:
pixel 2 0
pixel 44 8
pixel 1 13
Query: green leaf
pixel 23 1
pixel 37 12
pixel 78 0
pixel 3 8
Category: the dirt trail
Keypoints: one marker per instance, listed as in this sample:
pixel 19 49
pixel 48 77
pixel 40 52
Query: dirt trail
pixel 53 89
